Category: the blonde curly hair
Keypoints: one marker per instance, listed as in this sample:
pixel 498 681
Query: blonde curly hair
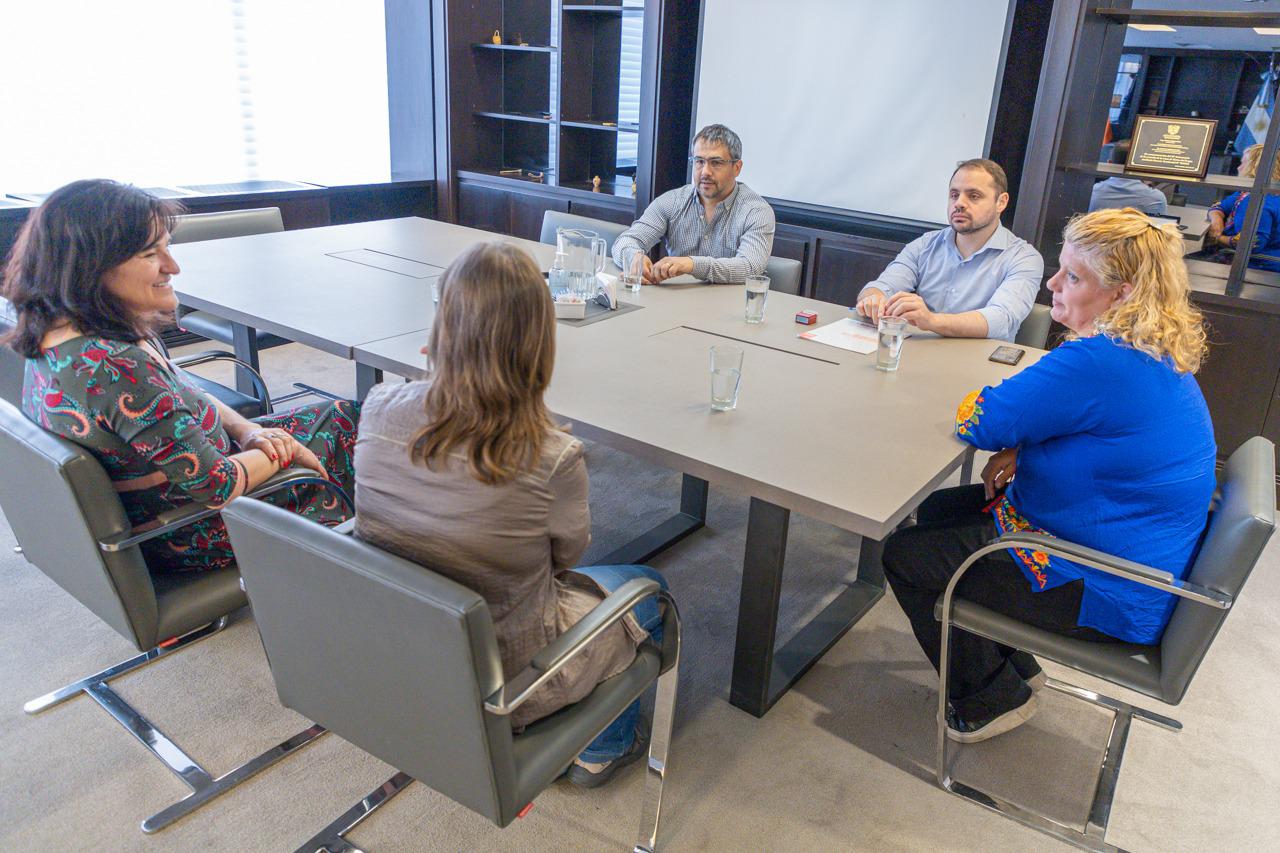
pixel 1157 318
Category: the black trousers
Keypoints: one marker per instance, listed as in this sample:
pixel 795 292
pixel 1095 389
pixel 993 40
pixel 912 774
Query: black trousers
pixel 986 677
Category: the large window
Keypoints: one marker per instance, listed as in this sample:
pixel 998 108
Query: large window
pixel 190 92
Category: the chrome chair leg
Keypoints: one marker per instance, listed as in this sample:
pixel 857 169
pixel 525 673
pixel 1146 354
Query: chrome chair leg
pixel 664 714
pixel 1093 835
pixel 169 646
pixel 331 839
pixel 203 786
pixel 209 788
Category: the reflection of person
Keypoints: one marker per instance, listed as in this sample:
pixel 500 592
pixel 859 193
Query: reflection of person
pixel 467 474
pixel 973 279
pixel 1113 448
pixel 89 279
pixel 1226 218
pixel 715 229
pixel 1119 191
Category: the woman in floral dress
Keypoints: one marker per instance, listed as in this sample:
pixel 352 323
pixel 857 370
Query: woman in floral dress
pixel 89 279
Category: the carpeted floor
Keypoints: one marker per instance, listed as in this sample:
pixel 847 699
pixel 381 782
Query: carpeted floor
pixel 843 762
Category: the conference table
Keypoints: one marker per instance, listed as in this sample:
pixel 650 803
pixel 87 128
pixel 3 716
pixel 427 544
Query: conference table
pixel 817 429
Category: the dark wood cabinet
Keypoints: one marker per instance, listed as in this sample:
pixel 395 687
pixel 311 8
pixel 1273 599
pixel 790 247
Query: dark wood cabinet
pixel 843 264
pixel 505 212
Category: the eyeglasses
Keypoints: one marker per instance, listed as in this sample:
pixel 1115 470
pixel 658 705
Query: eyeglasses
pixel 716 163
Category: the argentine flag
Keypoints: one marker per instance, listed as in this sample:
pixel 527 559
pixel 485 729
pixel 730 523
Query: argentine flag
pixel 1254 129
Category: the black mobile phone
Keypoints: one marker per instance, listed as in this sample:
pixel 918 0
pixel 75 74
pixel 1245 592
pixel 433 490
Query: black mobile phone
pixel 1007 355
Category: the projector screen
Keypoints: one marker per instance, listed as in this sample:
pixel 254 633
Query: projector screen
pixel 853 104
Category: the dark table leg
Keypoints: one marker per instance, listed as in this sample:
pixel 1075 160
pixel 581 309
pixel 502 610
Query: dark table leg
pixel 245 341
pixel 691 517
pixel 761 672
pixel 366 378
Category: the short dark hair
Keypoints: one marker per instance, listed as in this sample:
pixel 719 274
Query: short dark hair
pixel 718 134
pixel 1120 152
pixel 55 270
pixel 991 167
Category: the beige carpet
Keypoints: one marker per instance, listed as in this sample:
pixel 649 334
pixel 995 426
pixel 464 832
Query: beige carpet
pixel 843 762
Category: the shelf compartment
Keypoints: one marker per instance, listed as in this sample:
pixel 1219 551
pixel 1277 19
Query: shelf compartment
pixel 590 56
pixel 533 118
pixel 593 124
pixel 524 48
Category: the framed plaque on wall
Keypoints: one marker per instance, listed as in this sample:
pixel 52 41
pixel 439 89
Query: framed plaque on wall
pixel 1171 146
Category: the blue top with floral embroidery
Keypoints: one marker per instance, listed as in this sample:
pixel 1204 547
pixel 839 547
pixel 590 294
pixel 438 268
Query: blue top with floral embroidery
pixel 1116 452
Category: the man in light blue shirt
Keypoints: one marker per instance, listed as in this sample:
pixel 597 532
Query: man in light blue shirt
pixel 974 279
pixel 1121 192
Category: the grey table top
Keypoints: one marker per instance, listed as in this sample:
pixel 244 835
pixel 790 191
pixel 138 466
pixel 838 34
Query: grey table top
pixel 818 430
pixel 331 287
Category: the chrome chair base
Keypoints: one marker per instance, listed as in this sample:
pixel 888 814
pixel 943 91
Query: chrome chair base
pixel 664 713
pixel 1093 836
pixel 203 786
pixel 331 839
pixel 305 390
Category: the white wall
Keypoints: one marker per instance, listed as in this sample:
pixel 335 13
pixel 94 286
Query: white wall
pixel 852 104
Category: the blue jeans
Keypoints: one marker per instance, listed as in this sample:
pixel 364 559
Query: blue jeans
pixel 616 739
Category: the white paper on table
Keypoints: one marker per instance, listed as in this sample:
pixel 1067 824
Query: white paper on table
pixel 848 334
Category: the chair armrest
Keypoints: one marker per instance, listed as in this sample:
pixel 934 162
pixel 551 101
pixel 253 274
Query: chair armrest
pixel 562 649
pixel 180 517
pixel 197 358
pixel 1103 562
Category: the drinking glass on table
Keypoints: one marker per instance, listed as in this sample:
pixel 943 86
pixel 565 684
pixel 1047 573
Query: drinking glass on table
pixel 757 296
pixel 893 330
pixel 632 273
pixel 726 374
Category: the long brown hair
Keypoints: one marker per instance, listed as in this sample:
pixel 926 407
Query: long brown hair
pixel 492 351
pixel 54 274
pixel 1158 317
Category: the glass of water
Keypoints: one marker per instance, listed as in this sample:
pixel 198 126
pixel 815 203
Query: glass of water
pixel 757 296
pixel 632 270
pixel 726 373
pixel 893 330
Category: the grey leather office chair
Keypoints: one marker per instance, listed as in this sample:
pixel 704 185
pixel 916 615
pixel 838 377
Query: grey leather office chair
pixel 12 365
pixel 404 663
pixel 70 524
pixel 553 219
pixel 1034 331
pixel 198 227
pixel 1240 523
pixel 784 275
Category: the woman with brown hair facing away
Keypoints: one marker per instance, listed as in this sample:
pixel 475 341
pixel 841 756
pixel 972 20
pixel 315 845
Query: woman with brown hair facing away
pixel 467 474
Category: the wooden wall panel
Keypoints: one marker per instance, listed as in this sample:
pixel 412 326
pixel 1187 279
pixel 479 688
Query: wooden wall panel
pixel 843 265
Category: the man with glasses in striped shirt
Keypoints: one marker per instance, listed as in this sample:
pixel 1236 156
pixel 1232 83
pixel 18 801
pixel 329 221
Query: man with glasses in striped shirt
pixel 715 229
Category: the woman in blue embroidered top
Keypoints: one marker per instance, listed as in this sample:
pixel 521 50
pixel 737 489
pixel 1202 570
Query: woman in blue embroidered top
pixel 1226 218
pixel 1113 448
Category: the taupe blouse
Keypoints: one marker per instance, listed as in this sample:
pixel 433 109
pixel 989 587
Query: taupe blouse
pixel 512 543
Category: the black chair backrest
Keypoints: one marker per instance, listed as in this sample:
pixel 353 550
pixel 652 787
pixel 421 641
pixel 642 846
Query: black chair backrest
pixel 1239 527
pixel 388 654
pixel 60 502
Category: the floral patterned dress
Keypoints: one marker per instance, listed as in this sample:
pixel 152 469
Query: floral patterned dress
pixel 162 442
